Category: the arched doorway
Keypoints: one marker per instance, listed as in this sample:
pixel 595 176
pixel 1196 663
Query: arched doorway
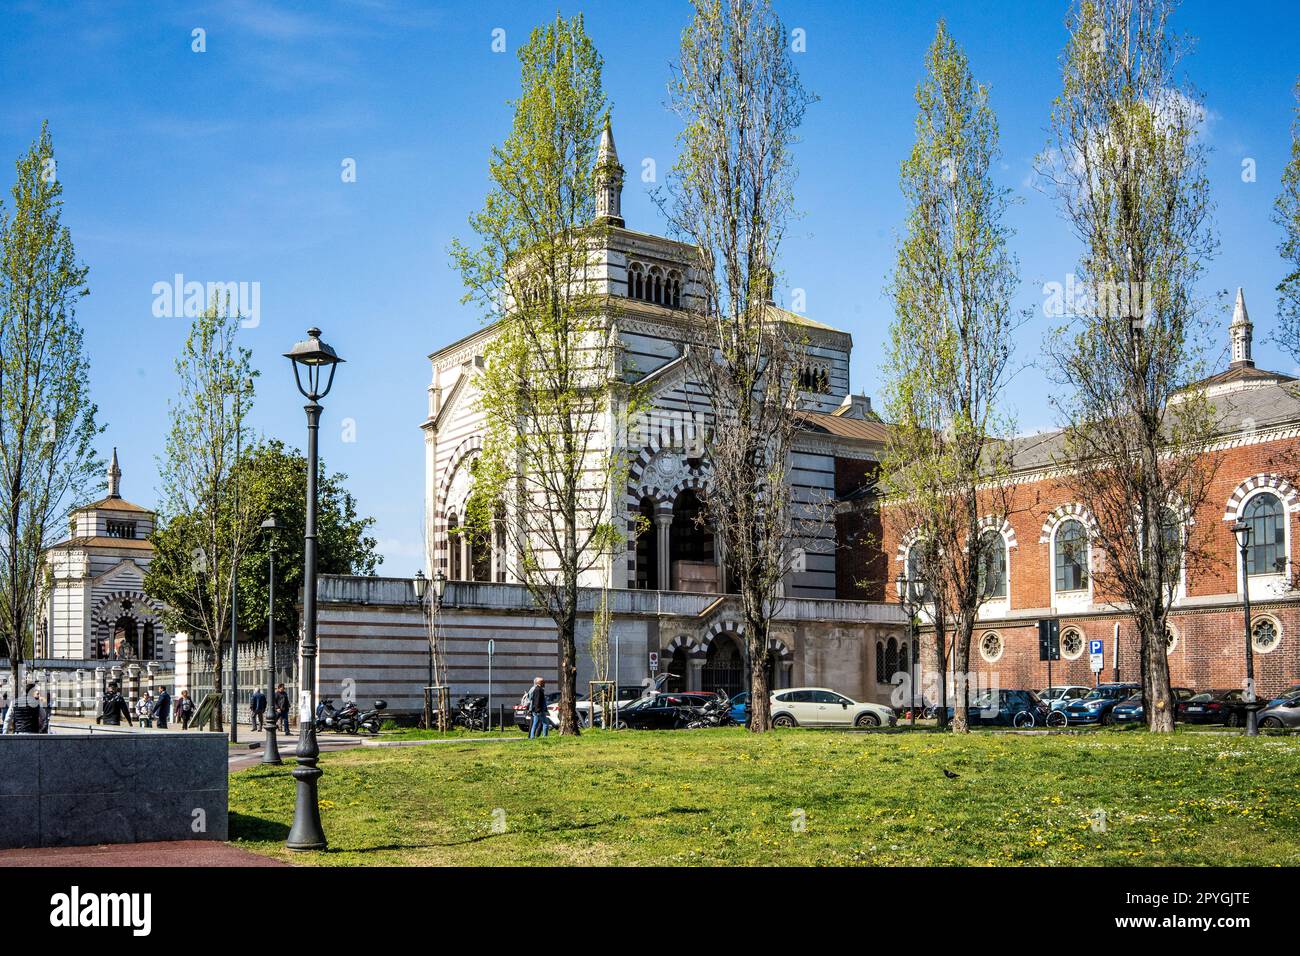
pixel 691 546
pixel 125 640
pixel 647 547
pixel 676 673
pixel 724 666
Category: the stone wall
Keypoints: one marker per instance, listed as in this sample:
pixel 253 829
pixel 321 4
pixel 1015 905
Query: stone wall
pixel 107 786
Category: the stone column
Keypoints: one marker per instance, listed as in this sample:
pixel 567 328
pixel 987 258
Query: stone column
pixel 720 559
pixel 663 528
pixel 695 673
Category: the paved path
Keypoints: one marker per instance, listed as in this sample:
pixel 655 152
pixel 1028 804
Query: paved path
pixel 179 853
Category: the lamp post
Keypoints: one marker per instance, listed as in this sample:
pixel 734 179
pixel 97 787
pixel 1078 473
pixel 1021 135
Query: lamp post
pixel 905 597
pixel 1242 530
pixel 311 359
pixel 271 748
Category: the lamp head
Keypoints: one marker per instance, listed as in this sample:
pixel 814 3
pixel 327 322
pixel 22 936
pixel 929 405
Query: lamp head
pixel 1242 530
pixel 270 525
pixel 439 584
pixel 313 356
pixel 420 583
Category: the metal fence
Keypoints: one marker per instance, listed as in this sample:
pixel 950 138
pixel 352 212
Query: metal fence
pixel 252 674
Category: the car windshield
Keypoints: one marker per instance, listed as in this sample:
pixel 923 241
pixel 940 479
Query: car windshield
pixel 1201 699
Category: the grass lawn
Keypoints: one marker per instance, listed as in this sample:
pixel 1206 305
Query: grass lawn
pixel 796 797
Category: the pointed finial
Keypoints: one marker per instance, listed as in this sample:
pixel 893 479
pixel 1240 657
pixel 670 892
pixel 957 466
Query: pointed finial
pixel 1240 332
pixel 609 179
pixel 114 477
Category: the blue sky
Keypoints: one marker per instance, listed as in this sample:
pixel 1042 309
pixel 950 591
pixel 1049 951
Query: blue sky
pixel 225 166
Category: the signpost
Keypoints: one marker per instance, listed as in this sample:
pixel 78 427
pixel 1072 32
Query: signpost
pixel 492 649
pixel 1049 643
pixel 654 662
pixel 1096 658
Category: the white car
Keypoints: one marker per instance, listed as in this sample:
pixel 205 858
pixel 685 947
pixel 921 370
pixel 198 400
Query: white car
pixel 819 707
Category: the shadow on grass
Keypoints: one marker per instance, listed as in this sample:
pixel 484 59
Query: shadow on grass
pixel 478 838
pixel 256 829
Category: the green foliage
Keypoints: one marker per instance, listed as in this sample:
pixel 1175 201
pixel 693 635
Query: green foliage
pixel 1287 215
pixel 48 463
pixel 274 479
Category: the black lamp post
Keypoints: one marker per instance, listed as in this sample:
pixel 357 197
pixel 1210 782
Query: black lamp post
pixel 905 597
pixel 1242 530
pixel 310 360
pixel 270 749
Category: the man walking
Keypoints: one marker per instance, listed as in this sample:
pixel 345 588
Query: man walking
pixel 24 715
pixel 114 707
pixel 281 705
pixel 257 707
pixel 541 727
pixel 162 707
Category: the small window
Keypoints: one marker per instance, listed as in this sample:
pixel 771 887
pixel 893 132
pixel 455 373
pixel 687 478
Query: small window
pixel 1071 643
pixel 1265 635
pixel 120 529
pixel 991 646
pixel 1071 556
pixel 993 566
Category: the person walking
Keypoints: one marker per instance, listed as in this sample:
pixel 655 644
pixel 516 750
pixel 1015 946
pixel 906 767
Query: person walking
pixel 541 727
pixel 185 705
pixel 144 709
pixel 257 707
pixel 162 707
pixel 113 708
pixel 24 714
pixel 281 707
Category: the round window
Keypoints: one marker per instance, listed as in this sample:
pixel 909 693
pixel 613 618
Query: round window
pixel 1265 634
pixel 1171 640
pixel 1071 643
pixel 991 646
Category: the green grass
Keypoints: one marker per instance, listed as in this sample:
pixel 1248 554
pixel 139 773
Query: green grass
pixel 416 733
pixel 729 797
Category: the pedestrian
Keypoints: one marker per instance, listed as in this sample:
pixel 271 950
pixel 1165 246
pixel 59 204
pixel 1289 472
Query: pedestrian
pixel 113 708
pixel 162 707
pixel 24 715
pixel 541 726
pixel 257 707
pixel 281 705
pixel 144 710
pixel 185 705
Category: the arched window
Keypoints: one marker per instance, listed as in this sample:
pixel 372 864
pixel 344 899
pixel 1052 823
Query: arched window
pixel 993 565
pixel 891 658
pixel 1267 551
pixel 904 662
pixel 499 542
pixel 1071 556
pixel 1171 543
pixel 882 677
pixel 677 292
pixel 453 545
pixel 918 588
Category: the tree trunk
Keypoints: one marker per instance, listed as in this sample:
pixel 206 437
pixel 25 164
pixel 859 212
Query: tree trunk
pixel 961 665
pixel 760 717
pixel 1160 709
pixel 218 685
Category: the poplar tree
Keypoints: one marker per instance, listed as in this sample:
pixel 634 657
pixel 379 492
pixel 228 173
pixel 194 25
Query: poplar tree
pixel 1287 215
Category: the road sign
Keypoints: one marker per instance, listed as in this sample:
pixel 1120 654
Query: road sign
pixel 1095 663
pixel 654 661
pixel 492 647
pixel 1096 647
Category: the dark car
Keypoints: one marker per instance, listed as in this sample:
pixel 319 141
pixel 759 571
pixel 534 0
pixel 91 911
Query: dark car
pixel 1223 706
pixel 1004 708
pixel 1096 707
pixel 663 711
pixel 1131 711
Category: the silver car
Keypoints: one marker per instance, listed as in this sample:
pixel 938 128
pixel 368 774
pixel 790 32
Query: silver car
pixel 1285 713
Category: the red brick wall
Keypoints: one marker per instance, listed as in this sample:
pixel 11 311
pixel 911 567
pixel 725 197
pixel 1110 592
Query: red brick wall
pixel 1210 650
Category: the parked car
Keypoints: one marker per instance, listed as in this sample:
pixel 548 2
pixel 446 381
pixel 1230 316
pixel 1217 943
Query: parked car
pixel 740 708
pixel 819 707
pixel 663 711
pixel 1004 708
pixel 1223 706
pixel 1101 700
pixel 1285 695
pixel 1284 712
pixel 524 720
pixel 1131 710
pixel 1058 696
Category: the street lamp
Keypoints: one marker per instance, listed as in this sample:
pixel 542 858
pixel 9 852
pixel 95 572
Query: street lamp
pixel 270 749
pixel 1242 530
pixel 905 597
pixel 310 359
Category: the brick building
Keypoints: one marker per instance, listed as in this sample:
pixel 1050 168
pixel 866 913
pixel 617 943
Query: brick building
pixel 1043 568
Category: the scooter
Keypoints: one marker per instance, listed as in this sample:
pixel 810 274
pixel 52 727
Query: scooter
pixel 369 721
pixel 713 713
pixel 471 712
pixel 343 720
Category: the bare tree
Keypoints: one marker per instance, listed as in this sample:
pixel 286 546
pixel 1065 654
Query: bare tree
pixel 1286 213
pixel 731 194
pixel 47 420
pixel 950 353
pixel 1127 167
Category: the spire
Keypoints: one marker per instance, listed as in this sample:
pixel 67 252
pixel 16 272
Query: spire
pixel 1240 332
pixel 609 180
pixel 114 477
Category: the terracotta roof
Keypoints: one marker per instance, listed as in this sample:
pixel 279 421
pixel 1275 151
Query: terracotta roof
pixel 114 504
pixel 103 541
pixel 858 428
pixel 1244 373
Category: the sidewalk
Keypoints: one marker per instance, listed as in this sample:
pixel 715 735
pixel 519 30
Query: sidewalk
pixel 179 853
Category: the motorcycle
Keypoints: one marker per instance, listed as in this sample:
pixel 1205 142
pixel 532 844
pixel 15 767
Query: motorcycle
pixel 343 720
pixel 713 713
pixel 369 721
pixel 471 712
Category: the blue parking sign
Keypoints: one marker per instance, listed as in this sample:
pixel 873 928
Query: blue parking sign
pixel 1095 647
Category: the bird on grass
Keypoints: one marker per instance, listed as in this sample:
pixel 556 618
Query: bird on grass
pixel 949 774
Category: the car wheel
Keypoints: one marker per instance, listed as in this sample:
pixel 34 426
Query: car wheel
pixel 1023 719
pixel 1271 723
pixel 783 720
pixel 1057 718
pixel 866 720
pixel 1107 719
